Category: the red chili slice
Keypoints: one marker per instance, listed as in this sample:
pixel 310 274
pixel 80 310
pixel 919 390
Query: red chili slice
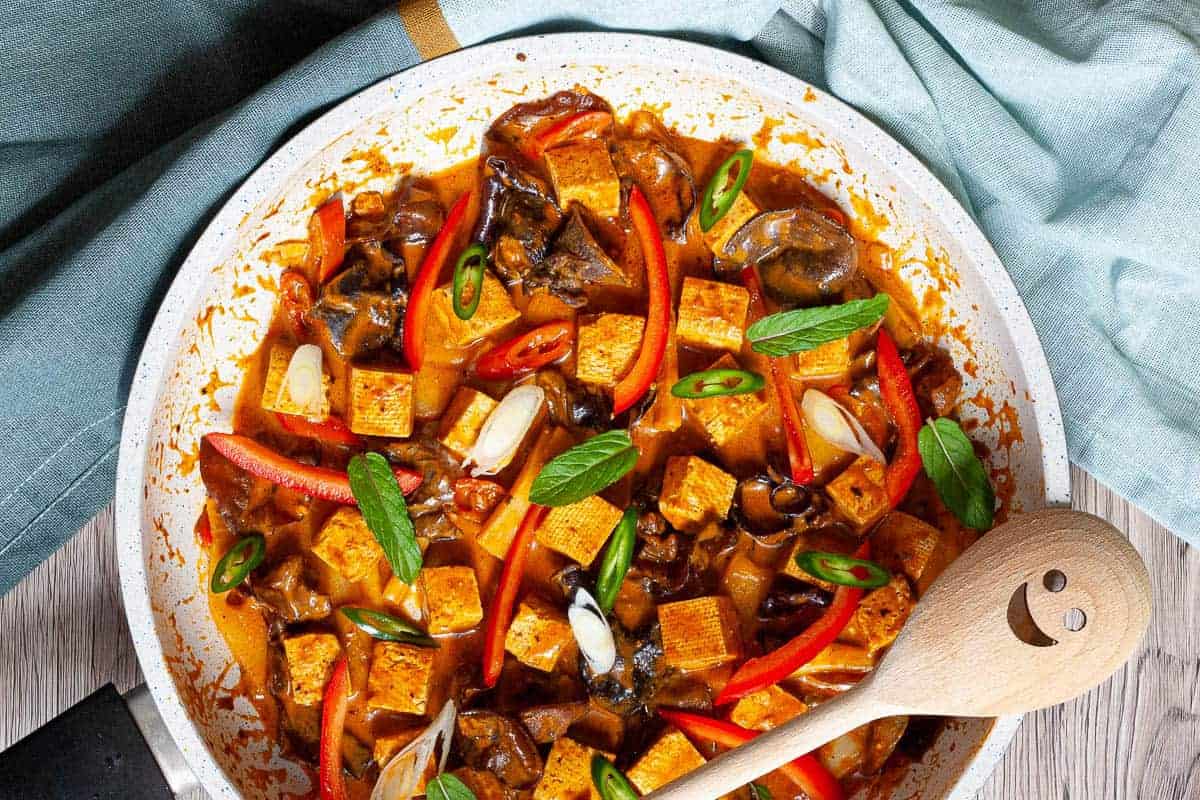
pixel 330 430
pixel 296 296
pixel 334 705
pixel 525 353
pixel 327 238
pixel 896 391
pixel 572 127
pixel 416 316
pixel 501 611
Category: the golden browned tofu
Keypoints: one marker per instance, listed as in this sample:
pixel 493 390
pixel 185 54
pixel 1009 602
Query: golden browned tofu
pixel 583 172
pixel 739 214
pixel 568 772
pixel 859 494
pixel 347 544
pixel 730 420
pixel 452 599
pixel 539 635
pixel 766 709
pixel 274 399
pixel 495 313
pixel 498 532
pixel 829 360
pixel 607 347
pixel 667 759
pixel 463 419
pixel 840 657
pixel 388 745
pixel 903 543
pixel 381 402
pixel 400 677
pixel 310 658
pixel 847 753
pixel 826 458
pixel 880 615
pixel 699 633
pixel 408 599
pixel 712 315
pixel 746 584
pixel 695 493
pixel 433 386
pixel 579 530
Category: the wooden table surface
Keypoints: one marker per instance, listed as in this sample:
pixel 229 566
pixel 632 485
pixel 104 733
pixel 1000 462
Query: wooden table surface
pixel 1137 737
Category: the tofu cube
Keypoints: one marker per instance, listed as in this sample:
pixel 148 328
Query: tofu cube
pixel 766 709
pixel 387 746
pixel 903 543
pixel 273 396
pixel 452 599
pixel 495 313
pixel 880 615
pixel 712 315
pixel 310 658
pixel 347 545
pixel 699 633
pixel 695 493
pixel 463 419
pixel 607 347
pixel 579 530
pixel 859 493
pixel 667 759
pixel 408 599
pixel 381 402
pixel 729 420
pixel 498 532
pixel 829 360
pixel 568 772
pixel 539 635
pixel 839 657
pixel 400 677
pixel 739 214
pixel 582 172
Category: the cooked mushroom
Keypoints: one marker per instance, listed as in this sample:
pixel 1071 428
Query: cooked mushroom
pixel 575 262
pixel 285 591
pixel 360 309
pixel 517 217
pixel 494 742
pixel 514 128
pixel 650 160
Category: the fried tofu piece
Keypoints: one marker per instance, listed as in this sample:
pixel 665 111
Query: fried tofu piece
pixel 568 772
pixel 495 313
pixel 409 599
pixel 699 633
pixel 667 759
pixel 400 678
pixel 347 544
pixel 463 420
pixel 273 399
pixel 903 543
pixel 607 347
pixel 739 214
pixel 840 657
pixel 387 746
pixel 712 315
pixel 880 615
pixel 310 658
pixel 582 172
pixel 539 635
pixel 859 493
pixel 695 493
pixel 766 709
pixel 746 584
pixel 829 360
pixel 452 599
pixel 381 402
pixel 433 386
pixel 728 420
pixel 498 532
pixel 847 753
pixel 579 530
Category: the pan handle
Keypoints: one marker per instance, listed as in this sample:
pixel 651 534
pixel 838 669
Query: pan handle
pixel 105 747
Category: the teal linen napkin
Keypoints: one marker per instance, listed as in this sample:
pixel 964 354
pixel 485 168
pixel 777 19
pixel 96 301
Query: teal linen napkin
pixel 1068 129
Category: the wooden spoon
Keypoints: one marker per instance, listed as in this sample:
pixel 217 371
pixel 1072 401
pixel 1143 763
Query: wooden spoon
pixel 1039 610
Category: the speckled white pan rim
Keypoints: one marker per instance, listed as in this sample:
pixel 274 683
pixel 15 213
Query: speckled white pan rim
pixel 592 48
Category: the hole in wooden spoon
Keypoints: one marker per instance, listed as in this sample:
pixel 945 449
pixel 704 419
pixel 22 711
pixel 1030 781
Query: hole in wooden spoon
pixel 1074 620
pixel 1054 581
pixel 1022 622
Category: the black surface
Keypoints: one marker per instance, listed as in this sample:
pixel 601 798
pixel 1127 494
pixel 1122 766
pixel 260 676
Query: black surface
pixel 93 751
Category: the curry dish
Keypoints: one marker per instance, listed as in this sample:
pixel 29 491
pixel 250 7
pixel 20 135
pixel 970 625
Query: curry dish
pixel 562 471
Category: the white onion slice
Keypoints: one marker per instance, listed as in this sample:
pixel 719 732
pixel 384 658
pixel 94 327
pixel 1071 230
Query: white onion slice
pixel 304 381
pixel 505 429
pixel 400 778
pixel 592 632
pixel 838 426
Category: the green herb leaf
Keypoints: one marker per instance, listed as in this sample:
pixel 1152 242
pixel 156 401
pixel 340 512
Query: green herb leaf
pixel 382 505
pixel 759 792
pixel 447 787
pixel 806 328
pixel 961 481
pixel 584 470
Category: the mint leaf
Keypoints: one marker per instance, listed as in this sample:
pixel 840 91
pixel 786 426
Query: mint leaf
pixel 961 481
pixel 584 470
pixel 382 505
pixel 806 328
pixel 759 792
pixel 448 787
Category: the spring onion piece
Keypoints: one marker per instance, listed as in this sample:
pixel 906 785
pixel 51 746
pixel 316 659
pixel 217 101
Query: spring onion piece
pixel 717 383
pixel 720 194
pixel 592 632
pixel 399 778
pixel 386 627
pixel 838 426
pixel 618 555
pixel 468 281
pixel 304 382
pixel 505 429
pixel 238 562
pixel 609 781
pixel 843 570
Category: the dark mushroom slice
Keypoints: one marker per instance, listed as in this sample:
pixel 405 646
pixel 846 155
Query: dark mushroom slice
pixel 360 309
pixel 649 158
pixel 575 262
pixel 515 127
pixel 287 593
pixel 517 217
pixel 499 744
pixel 548 722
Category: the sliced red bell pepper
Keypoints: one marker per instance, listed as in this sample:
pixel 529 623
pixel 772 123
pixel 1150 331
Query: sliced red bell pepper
pixel 543 345
pixel 420 298
pixel 566 129
pixel 759 673
pixel 799 460
pixel 263 462
pixel 806 771
pixel 501 611
pixel 296 296
pixel 333 725
pixel 658 316
pixel 327 238
pixel 330 430
pixel 896 391
pixel 204 528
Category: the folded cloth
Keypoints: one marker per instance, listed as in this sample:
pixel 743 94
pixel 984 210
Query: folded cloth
pixel 1067 128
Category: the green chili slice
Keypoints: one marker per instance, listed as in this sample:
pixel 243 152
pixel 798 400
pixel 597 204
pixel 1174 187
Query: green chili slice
pixel 717 383
pixel 843 570
pixel 386 627
pixel 238 562
pixel 609 781
pixel 468 281
pixel 718 196
pixel 618 555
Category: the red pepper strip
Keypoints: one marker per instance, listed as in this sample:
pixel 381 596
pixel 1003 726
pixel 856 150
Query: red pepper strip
pixel 330 430
pixel 807 771
pixel 333 724
pixel 263 462
pixel 501 611
pixel 793 424
pixel 204 528
pixel 527 352
pixel 564 130
pixel 759 673
pixel 296 295
pixel 416 317
pixel 658 317
pixel 836 215
pixel 895 388
pixel 327 238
